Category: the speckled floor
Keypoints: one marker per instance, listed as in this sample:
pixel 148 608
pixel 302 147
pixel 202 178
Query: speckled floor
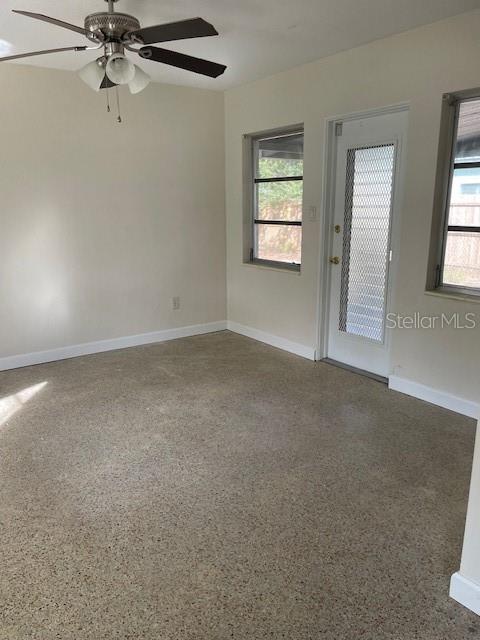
pixel 215 488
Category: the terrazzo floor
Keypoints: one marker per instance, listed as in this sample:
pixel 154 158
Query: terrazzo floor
pixel 214 488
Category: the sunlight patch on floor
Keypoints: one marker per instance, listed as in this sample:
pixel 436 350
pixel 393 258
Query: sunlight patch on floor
pixel 9 405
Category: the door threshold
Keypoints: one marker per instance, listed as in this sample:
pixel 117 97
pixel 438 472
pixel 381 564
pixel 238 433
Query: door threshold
pixel 360 372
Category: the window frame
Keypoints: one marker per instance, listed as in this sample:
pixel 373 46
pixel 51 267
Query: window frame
pixel 445 174
pixel 251 202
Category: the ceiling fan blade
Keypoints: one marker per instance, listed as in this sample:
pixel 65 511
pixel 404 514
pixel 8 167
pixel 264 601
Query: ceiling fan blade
pixel 194 28
pixel 182 61
pixel 59 23
pixel 41 53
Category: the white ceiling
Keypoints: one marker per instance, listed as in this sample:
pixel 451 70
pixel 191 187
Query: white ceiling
pixel 257 37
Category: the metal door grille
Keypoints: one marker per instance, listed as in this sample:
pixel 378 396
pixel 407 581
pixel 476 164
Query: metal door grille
pixel 366 240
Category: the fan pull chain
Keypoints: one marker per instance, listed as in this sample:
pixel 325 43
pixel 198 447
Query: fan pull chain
pixel 108 101
pixel 119 118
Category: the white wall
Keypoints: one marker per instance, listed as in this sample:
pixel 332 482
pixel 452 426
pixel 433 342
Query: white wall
pixel 470 567
pixel 102 224
pixel 416 67
pixel 465 585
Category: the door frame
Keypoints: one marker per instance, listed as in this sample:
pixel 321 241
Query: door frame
pixel 327 217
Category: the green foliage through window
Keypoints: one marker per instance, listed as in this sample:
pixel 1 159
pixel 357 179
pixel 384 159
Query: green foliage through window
pixel 279 201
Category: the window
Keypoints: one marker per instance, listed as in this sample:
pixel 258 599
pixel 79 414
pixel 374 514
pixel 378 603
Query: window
pixel 276 180
pixel 460 264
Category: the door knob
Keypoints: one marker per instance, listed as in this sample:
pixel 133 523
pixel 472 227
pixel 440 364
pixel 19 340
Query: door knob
pixel 335 260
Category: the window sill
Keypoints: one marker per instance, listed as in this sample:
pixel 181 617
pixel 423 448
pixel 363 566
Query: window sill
pixel 452 294
pixel 274 266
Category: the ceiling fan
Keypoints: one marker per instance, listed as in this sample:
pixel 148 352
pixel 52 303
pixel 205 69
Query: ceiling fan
pixel 116 33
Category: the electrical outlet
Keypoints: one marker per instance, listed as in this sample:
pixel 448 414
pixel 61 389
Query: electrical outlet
pixel 176 303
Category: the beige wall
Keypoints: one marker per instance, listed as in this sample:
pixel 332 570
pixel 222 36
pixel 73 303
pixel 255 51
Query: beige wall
pixel 102 224
pixel 415 67
pixel 470 567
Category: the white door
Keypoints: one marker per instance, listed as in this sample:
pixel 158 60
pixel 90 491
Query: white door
pixel 367 199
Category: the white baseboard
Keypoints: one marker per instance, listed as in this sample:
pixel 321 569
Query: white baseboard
pixel 465 592
pixel 272 340
pixel 440 398
pixel 62 353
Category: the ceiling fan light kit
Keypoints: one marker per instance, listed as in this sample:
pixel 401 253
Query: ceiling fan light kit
pixel 140 81
pixel 119 69
pixel 118 33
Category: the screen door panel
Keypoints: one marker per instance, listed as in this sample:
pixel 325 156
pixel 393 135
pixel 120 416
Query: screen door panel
pixel 366 241
pixel 368 163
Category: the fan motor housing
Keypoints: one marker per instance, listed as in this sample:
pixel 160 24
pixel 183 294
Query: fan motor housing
pixel 113 26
